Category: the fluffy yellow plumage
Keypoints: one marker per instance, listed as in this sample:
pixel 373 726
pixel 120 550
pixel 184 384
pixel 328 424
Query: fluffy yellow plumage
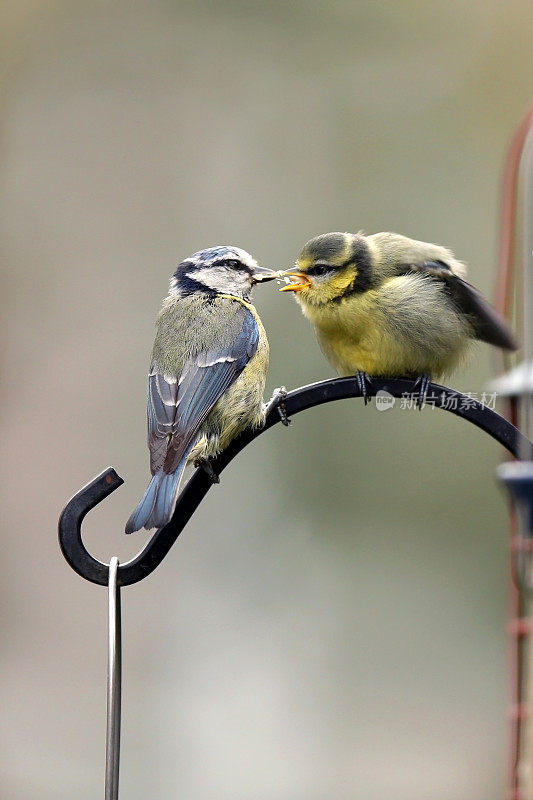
pixel 387 305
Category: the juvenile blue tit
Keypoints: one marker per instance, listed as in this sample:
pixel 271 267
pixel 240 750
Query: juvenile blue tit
pixel 389 306
pixel 207 375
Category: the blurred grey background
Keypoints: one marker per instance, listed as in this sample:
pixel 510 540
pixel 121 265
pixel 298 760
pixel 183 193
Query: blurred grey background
pixel 331 623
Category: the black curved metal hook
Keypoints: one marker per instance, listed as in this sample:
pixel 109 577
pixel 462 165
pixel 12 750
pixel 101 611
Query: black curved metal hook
pixel 199 484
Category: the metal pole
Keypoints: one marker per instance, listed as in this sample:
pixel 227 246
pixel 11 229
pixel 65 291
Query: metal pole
pixel 114 685
pixel 526 168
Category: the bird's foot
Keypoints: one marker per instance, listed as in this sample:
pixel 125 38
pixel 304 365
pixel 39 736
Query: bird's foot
pixel 278 401
pixel 422 382
pixel 363 382
pixel 207 467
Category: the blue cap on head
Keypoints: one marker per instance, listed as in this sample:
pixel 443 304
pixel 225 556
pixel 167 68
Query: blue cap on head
pixel 210 253
pixel 219 269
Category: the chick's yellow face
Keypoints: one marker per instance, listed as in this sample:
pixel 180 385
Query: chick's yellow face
pixel 328 268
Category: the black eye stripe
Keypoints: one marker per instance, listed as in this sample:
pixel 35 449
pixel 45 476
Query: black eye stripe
pixel 359 258
pixel 319 269
pixel 233 263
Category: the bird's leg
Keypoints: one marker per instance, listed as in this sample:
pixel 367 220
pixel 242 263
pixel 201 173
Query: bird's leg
pixel 363 381
pixel 207 467
pixel 422 382
pixel 278 401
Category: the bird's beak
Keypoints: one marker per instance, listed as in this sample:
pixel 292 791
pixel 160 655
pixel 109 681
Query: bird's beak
pixel 262 274
pixel 299 281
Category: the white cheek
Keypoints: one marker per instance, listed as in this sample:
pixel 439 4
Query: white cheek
pixel 223 280
pixel 242 279
pixel 213 277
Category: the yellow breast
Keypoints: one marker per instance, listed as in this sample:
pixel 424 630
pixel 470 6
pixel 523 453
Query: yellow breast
pixel 403 328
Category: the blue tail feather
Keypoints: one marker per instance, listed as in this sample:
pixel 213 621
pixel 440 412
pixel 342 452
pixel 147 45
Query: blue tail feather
pixel 144 509
pixel 158 502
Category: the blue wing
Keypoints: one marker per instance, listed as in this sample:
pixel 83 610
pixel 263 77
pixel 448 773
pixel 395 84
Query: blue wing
pixel 178 404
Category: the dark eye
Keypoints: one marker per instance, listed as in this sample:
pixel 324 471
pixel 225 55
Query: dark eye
pixel 233 263
pixel 318 269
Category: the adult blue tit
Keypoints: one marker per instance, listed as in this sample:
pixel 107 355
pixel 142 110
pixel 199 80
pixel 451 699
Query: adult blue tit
pixel 208 372
pixel 386 305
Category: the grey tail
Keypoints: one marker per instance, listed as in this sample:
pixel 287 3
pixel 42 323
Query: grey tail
pixel 158 502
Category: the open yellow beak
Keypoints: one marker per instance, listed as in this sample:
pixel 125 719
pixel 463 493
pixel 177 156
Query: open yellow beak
pixel 300 281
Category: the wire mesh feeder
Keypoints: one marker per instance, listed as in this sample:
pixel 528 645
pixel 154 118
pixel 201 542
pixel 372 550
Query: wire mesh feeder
pixel 514 298
pixel 115 575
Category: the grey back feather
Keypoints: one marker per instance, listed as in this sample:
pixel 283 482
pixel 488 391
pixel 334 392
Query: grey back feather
pixel 179 403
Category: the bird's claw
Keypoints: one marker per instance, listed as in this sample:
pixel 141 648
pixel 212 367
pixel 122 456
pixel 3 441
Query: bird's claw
pixel 207 467
pixel 422 382
pixel 363 382
pixel 278 401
